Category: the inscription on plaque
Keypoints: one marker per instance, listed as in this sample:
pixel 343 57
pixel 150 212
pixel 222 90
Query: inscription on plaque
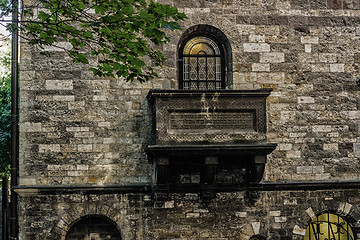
pixel 233 119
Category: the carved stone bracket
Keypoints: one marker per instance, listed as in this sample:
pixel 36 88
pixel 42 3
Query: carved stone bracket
pixel 251 156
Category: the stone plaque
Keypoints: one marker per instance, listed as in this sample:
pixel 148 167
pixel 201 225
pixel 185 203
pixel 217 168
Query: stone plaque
pixel 222 120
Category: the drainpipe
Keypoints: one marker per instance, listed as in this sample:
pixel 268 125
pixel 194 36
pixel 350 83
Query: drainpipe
pixel 14 123
pixel 5 205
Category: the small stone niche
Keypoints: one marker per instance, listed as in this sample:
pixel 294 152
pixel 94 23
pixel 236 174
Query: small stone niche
pixel 210 139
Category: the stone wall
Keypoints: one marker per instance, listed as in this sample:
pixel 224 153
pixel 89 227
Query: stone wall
pixel 76 129
pixel 276 215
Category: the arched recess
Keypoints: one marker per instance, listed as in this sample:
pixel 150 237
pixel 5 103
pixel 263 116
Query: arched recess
pixel 216 47
pixel 93 227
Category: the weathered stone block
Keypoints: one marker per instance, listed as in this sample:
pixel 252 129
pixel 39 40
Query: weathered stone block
pixel 275 213
pixel 76 105
pixel 256 47
pixel 320 68
pixel 241 214
pixel 59 84
pixel 293 154
pixel 192 215
pixel 328 57
pixel 330 147
pixel 321 128
pixel 30 127
pixel 272 57
pixel 308 48
pixel 356 147
pixel 69 98
pixel 285 146
pixel 261 67
pixel 280 219
pixel 43 148
pixel 308 57
pixel 299 231
pixel 85 147
pixel 257 38
pixel 306 100
pixel 310 39
pixel 354 114
pixel 304 170
pixel 337 67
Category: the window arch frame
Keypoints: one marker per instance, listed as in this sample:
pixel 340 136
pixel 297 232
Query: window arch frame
pixel 222 43
pixel 257 237
pixel 74 224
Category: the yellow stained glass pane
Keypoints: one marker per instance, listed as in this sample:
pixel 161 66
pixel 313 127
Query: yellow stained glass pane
pixel 329 226
pixel 201 49
pixel 201 46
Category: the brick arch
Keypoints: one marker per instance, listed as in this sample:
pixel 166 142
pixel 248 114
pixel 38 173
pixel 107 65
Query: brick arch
pixel 67 220
pixel 349 212
pixel 83 224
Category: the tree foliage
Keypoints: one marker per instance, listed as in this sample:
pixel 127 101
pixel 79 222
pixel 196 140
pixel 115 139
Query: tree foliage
pixel 121 33
pixel 5 113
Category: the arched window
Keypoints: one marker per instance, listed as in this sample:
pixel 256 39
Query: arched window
pixel 202 64
pixel 329 226
pixel 93 227
pixel 204 59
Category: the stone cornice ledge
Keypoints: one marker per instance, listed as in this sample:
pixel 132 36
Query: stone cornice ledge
pixel 160 93
pixel 82 189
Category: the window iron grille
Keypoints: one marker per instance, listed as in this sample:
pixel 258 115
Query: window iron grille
pixel 202 64
pixel 329 226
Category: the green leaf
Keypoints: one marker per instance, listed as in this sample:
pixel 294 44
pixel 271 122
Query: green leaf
pixel 81 57
pixel 120 32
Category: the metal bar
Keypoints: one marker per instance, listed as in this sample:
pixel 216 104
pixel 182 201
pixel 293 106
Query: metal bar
pixel 183 74
pixel 329 226
pixel 5 206
pixel 269 186
pixel 339 229
pixel 213 69
pixel 197 72
pixel 206 73
pixel 14 122
pixel 196 55
pixel 314 231
pixel 347 230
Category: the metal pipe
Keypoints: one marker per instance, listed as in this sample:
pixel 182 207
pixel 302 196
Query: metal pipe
pixel 5 205
pixel 14 122
pixel 147 188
